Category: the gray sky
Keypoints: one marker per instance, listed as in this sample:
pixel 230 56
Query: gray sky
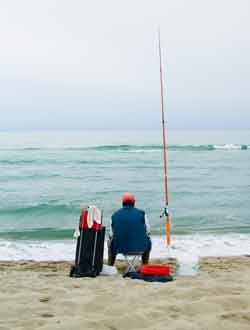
pixel 94 64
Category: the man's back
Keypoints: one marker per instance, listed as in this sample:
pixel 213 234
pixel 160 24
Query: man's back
pixel 129 230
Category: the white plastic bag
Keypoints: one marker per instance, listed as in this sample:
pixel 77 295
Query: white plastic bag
pixel 108 270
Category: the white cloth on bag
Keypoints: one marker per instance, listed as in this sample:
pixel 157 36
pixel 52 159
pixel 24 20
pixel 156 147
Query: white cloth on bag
pixel 94 214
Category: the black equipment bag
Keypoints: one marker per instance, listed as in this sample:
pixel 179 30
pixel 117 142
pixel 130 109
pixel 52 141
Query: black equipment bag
pixel 89 253
pixel 149 278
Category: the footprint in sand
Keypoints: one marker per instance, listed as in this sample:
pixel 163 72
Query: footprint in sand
pixel 47 315
pixel 44 299
pixel 241 316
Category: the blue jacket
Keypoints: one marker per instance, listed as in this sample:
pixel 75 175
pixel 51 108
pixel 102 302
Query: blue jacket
pixel 129 231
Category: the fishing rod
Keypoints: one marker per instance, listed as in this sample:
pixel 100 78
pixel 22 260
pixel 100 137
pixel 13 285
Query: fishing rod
pixel 165 211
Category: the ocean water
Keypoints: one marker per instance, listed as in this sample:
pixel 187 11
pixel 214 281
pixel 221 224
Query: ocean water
pixel 46 175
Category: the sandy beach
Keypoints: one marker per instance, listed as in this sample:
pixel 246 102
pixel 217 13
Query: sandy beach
pixel 40 295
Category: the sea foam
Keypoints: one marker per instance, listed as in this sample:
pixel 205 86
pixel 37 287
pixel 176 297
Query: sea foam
pixel 186 248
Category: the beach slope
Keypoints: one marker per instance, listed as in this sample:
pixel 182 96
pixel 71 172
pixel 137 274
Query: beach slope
pixel 42 296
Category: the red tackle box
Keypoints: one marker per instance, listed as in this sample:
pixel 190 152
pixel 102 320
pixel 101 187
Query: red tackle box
pixel 155 269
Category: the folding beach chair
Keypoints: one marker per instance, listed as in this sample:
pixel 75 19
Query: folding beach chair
pixel 132 260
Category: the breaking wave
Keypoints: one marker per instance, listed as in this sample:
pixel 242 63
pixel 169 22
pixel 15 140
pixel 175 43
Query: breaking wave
pixel 138 148
pixel 188 249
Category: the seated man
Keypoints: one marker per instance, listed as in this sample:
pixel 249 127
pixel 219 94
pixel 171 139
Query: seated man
pixel 130 232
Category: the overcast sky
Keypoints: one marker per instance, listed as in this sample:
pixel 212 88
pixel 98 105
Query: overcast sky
pixel 94 64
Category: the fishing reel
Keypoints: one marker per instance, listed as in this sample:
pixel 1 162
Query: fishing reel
pixel 164 212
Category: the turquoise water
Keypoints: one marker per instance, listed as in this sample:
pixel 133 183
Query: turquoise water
pixel 45 176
